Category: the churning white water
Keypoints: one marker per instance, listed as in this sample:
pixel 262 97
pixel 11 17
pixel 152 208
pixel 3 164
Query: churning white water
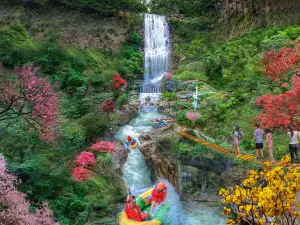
pixel 135 171
pixel 157 46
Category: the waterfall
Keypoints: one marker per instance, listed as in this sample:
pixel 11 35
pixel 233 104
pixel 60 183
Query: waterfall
pixel 157 46
pixel 157 52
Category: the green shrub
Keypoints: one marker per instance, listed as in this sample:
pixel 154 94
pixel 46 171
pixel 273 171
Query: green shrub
pixel 170 96
pixel 95 125
pixel 274 42
pixel 292 32
pixel 122 99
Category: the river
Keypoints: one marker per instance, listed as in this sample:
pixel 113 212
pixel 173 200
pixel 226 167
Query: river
pixel 137 176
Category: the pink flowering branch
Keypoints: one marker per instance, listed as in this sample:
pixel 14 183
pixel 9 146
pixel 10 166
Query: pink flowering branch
pixel 24 95
pixel 14 208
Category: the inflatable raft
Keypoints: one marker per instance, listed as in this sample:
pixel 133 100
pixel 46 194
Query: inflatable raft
pixel 163 120
pixel 131 144
pixel 145 207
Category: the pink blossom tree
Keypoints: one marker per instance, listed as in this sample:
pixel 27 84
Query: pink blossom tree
pixel 24 95
pixel 14 208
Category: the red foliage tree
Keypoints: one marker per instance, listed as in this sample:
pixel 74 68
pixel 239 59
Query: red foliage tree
pixel 279 63
pixel 81 174
pixel 85 159
pixel 103 146
pixel 23 95
pixel 282 109
pixel 108 107
pixel 14 208
pixel 117 81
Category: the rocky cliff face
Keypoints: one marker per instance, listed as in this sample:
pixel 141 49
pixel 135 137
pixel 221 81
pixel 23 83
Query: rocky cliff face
pixel 73 29
pixel 154 145
pixel 242 15
pixel 197 177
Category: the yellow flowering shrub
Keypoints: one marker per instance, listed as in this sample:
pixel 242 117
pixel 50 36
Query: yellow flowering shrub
pixel 266 197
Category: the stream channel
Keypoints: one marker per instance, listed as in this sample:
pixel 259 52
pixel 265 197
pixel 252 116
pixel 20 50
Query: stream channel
pixel 137 176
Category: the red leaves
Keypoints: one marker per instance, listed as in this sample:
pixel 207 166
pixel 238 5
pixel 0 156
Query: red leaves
pixel 282 109
pixel 117 81
pixel 103 146
pixel 278 63
pixel 85 159
pixel 81 174
pixel 108 107
pixel 32 98
pixel 15 209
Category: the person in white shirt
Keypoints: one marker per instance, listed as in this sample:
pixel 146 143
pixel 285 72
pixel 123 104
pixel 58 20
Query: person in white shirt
pixel 237 138
pixel 293 144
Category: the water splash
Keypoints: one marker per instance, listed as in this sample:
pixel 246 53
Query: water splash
pixel 175 214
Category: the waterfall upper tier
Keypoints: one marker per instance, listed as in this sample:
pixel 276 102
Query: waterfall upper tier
pixel 157 46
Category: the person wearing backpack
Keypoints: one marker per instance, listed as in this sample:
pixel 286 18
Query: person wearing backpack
pixel 237 138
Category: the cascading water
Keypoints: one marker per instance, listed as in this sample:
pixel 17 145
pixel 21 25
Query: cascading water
pixel 157 46
pixel 157 52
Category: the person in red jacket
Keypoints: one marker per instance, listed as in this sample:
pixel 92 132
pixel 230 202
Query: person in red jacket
pixel 158 195
pixel 132 210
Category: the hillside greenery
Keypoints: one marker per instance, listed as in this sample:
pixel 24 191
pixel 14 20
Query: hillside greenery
pixel 235 70
pixel 83 79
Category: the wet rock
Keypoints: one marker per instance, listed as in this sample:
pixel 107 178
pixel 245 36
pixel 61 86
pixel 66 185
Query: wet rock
pixel 127 113
pixel 154 146
pixel 119 156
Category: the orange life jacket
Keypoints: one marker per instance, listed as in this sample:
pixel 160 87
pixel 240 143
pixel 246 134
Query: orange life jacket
pixel 133 213
pixel 158 197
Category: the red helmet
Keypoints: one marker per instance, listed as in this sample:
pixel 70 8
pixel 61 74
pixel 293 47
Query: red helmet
pixel 129 138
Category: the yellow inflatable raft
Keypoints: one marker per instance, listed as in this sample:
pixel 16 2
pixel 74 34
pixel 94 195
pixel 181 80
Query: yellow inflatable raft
pixel 145 207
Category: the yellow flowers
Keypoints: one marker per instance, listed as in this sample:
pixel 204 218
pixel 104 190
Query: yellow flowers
pixel 230 222
pixel 285 160
pixel 226 211
pixel 270 194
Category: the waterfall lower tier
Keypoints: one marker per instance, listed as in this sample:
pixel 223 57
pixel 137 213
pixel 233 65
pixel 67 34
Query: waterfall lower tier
pixel 149 98
pixel 151 88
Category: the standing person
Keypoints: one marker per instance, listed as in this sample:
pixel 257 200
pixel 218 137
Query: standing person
pixel 237 138
pixel 293 144
pixel 132 210
pixel 158 196
pixel 259 141
pixel 269 141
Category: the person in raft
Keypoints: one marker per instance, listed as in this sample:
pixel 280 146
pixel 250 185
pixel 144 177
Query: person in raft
pixel 158 196
pixel 132 210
